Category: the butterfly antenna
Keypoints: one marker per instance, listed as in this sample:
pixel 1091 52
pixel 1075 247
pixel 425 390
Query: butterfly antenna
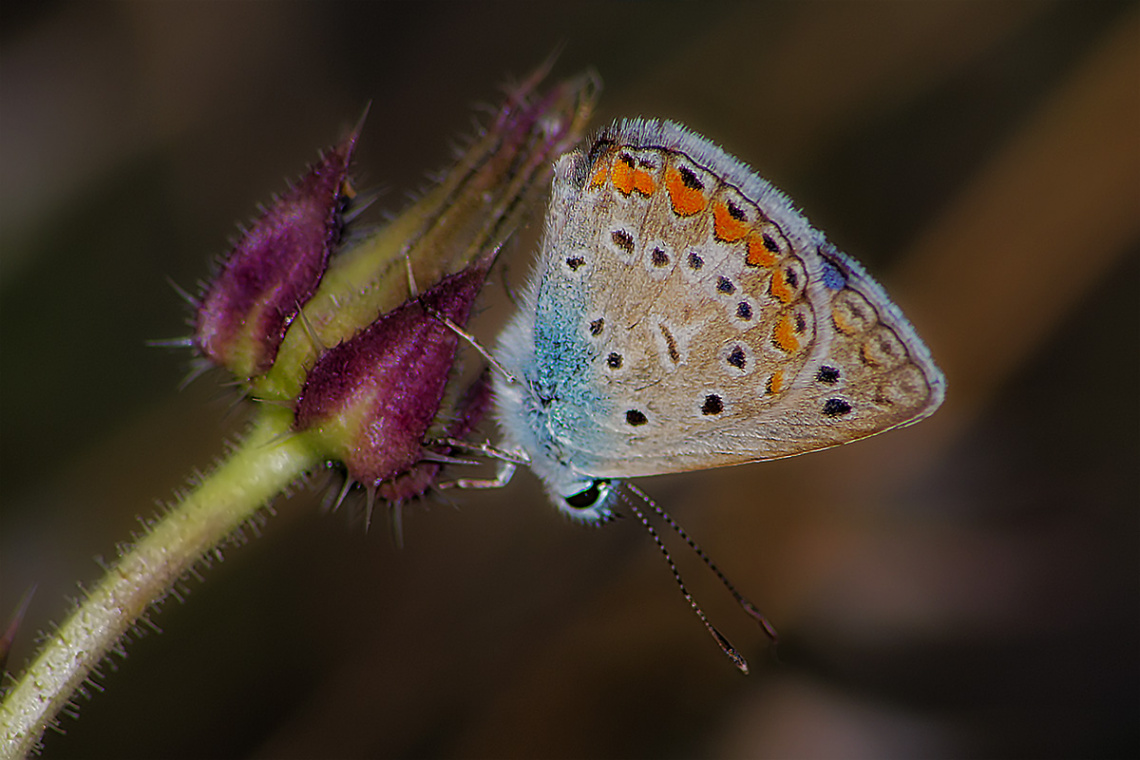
pixel 724 644
pixel 748 606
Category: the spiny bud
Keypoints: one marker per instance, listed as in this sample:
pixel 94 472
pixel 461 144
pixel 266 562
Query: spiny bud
pixel 275 267
pixel 487 195
pixel 370 400
pixel 465 414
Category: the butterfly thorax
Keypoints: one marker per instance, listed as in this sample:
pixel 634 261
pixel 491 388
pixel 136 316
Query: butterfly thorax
pixel 542 410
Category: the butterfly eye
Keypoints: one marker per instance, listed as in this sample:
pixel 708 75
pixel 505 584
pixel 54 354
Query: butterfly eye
pixel 591 496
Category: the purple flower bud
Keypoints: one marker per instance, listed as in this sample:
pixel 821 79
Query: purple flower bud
pixel 371 399
pixel 275 267
pixel 466 414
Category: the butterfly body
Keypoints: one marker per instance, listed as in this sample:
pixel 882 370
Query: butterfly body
pixel 684 315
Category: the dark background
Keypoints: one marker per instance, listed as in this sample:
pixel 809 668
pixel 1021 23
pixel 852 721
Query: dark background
pixel 965 587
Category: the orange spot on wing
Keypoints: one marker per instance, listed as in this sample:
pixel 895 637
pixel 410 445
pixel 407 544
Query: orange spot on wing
pixel 775 382
pixel 784 335
pixel 629 179
pixel 622 174
pixel 686 200
pixel 725 226
pixel 841 323
pixel 758 253
pixel 600 173
pixel 643 182
pixel 780 288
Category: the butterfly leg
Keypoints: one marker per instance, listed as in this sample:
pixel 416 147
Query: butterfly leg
pixel 474 344
pixel 516 456
pixel 503 476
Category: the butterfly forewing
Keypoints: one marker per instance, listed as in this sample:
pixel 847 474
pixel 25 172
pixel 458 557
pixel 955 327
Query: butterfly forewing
pixel 711 324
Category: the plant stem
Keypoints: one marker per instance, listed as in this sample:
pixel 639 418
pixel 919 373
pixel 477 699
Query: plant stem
pixel 266 462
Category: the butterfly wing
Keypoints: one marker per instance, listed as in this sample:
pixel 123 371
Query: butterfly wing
pixel 687 316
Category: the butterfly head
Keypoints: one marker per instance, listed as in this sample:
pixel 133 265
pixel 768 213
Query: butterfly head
pixel 585 500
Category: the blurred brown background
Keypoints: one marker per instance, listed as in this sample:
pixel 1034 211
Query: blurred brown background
pixel 966 587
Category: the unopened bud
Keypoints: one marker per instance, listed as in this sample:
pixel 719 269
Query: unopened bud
pixel 465 414
pixel 275 267
pixel 370 400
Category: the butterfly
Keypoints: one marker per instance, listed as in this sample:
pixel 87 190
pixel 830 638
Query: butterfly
pixel 684 315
